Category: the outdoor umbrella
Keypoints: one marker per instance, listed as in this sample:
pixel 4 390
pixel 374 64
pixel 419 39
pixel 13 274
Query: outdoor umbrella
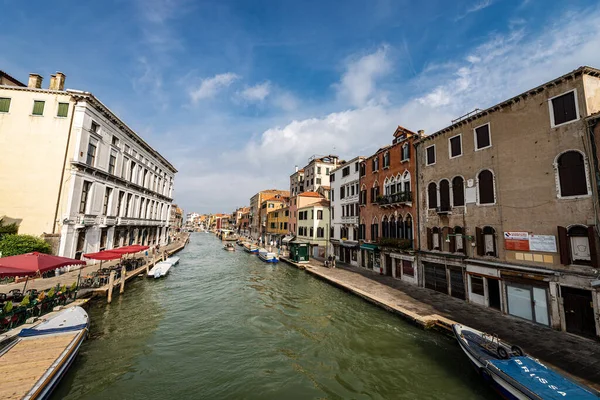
pixel 32 264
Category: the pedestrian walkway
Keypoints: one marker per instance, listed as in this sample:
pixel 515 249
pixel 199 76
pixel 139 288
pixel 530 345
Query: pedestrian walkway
pixel 578 356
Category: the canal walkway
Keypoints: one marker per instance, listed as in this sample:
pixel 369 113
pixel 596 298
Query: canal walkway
pixel 577 356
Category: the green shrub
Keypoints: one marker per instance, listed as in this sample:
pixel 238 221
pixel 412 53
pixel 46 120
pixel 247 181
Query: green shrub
pixel 25 302
pixel 8 306
pixel 73 287
pixel 50 293
pixel 13 245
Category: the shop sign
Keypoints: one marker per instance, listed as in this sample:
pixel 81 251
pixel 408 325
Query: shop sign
pixel 516 241
pixel 545 243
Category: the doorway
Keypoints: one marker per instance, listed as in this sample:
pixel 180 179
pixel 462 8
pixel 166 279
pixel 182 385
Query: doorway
pixel 388 265
pixel 579 311
pixel 494 293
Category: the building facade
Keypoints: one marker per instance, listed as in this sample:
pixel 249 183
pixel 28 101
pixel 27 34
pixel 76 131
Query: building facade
pixel 176 218
pixel 316 172
pixel 301 200
pixel 388 210
pixel 88 181
pixel 255 216
pixel 313 227
pixel 344 197
pixel 277 224
pixel 507 206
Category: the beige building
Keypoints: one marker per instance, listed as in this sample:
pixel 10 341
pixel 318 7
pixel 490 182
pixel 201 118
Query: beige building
pixel 314 226
pixel 507 216
pixel 72 171
pixel 255 216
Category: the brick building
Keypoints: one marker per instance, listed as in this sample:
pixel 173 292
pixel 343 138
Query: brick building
pixel 387 211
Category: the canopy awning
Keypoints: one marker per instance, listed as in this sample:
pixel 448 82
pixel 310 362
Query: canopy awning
pixel 351 244
pixel 287 239
pixel 113 254
pixel 369 246
pixel 31 264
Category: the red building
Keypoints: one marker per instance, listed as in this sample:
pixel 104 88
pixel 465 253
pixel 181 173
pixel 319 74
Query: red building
pixel 388 208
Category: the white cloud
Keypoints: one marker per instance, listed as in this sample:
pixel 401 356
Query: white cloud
pixel 358 84
pixel 257 92
pixel 209 87
pixel 475 7
pixel 286 101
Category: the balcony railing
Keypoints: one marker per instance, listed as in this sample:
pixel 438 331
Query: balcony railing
pixel 402 244
pixel 352 219
pixel 393 199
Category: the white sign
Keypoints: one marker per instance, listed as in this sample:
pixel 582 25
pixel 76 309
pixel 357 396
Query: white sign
pixel 516 235
pixel 546 243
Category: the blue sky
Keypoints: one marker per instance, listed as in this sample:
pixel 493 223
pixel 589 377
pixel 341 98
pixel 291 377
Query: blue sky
pixel 235 93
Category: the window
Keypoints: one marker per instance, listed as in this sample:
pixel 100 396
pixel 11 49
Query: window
pixel 320 232
pixel 128 204
pixel 103 237
pixel 458 239
pixel 112 162
pixel 115 141
pixel 318 181
pixel 326 171
pixel 38 107
pixel 342 192
pixel 285 225
pixel 477 285
pixel 127 148
pixel 435 238
pixel 486 241
pixel 563 109
pixel 571 174
pixel 4 104
pixel 272 225
pixel 386 160
pixel 485 181
pixel 91 153
pixel 455 145
pixel 345 172
pixel 405 152
pixel 121 195
pixel 63 110
pixel 319 214
pixel 85 192
pixel 332 178
pixel 318 170
pixel 94 127
pixel 445 195
pixel 458 191
pixel 376 163
pixel 482 137
pixel 577 245
pixel 271 205
pixel 356 167
pixel 312 214
pixel 430 155
pixel 107 193
pixel 312 231
pixel 432 195
pixel 363 169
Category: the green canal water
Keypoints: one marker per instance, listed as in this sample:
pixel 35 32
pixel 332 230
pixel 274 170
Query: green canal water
pixel 228 326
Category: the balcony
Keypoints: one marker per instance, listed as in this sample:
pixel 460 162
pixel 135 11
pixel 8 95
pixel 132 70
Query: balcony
pixel 443 210
pixel 85 220
pixel 353 219
pixel 396 199
pixel 401 244
pixel 108 221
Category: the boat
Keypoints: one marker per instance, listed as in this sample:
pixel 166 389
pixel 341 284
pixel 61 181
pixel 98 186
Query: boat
pixel 173 260
pixel 45 352
pixel 250 248
pixel 267 256
pixel 229 247
pixel 512 373
pixel 240 242
pixel 159 270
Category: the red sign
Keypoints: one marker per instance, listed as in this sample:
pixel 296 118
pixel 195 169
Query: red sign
pixel 514 244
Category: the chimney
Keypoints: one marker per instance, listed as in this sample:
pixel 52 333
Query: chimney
pixel 421 133
pixel 35 81
pixel 60 81
pixel 296 168
pixel 52 82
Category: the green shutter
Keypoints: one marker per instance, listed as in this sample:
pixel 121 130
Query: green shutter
pixel 4 104
pixel 38 107
pixel 63 109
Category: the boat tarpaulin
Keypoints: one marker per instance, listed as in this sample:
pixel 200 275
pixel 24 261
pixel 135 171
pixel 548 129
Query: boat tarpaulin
pixel 540 379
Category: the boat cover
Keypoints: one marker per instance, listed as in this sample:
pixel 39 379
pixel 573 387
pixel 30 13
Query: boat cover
pixel 540 379
pixel 68 320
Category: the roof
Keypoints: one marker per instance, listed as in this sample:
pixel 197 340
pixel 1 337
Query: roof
pixel 584 70
pixel 346 163
pixel 310 194
pixel 325 187
pixel 10 78
pixel 322 202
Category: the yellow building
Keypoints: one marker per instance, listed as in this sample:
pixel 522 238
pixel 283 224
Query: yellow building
pixel 277 223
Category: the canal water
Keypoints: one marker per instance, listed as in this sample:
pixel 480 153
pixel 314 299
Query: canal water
pixel 225 325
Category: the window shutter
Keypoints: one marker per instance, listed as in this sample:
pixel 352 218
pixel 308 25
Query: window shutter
pixel 4 104
pixel 429 239
pixel 452 244
pixel 592 240
pixel 479 241
pixel 564 246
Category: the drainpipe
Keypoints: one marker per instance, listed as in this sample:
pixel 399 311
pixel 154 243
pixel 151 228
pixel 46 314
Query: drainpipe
pixel 594 157
pixel 62 173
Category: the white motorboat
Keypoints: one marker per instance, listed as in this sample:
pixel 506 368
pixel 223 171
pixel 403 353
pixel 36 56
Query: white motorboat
pixel 267 256
pixel 173 260
pixel 159 270
pixel 46 352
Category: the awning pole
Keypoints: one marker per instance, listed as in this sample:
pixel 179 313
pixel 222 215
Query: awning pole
pixel 26 279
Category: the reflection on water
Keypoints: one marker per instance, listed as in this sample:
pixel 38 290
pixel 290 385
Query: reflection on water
pixel 227 326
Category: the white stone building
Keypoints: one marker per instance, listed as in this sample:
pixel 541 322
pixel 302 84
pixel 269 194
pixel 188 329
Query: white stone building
pixel 316 172
pixel 77 174
pixel 344 195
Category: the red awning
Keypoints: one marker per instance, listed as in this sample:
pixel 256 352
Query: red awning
pixel 33 263
pixel 113 254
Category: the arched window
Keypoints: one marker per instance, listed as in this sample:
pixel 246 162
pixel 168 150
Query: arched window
pixel 385 228
pixel 485 181
pixel 458 239
pixel 376 163
pixel 432 195
pixel 579 241
pixel 408 232
pixel 436 238
pixel 405 152
pixel 406 181
pixel 571 174
pixel 400 228
pixel 393 228
pixel 363 169
pixel 458 191
pixel 486 241
pixel 445 195
pixel 386 159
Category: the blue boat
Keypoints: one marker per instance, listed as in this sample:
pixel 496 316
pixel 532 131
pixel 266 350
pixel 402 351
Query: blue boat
pixel 267 256
pixel 513 374
pixel 250 248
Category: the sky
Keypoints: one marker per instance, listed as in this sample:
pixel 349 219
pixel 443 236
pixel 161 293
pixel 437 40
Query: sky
pixel 235 93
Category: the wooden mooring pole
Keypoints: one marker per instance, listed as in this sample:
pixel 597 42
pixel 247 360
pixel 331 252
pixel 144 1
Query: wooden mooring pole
pixel 123 272
pixel 111 281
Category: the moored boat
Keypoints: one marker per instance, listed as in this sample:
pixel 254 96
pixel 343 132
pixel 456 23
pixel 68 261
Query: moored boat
pixel 267 256
pixel 46 352
pixel 173 260
pixel 159 270
pixel 229 247
pixel 250 248
pixel 513 374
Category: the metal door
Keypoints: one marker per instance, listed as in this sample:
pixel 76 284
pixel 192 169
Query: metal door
pixel 579 311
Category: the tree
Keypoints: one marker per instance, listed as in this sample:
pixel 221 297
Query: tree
pixel 8 229
pixel 12 245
